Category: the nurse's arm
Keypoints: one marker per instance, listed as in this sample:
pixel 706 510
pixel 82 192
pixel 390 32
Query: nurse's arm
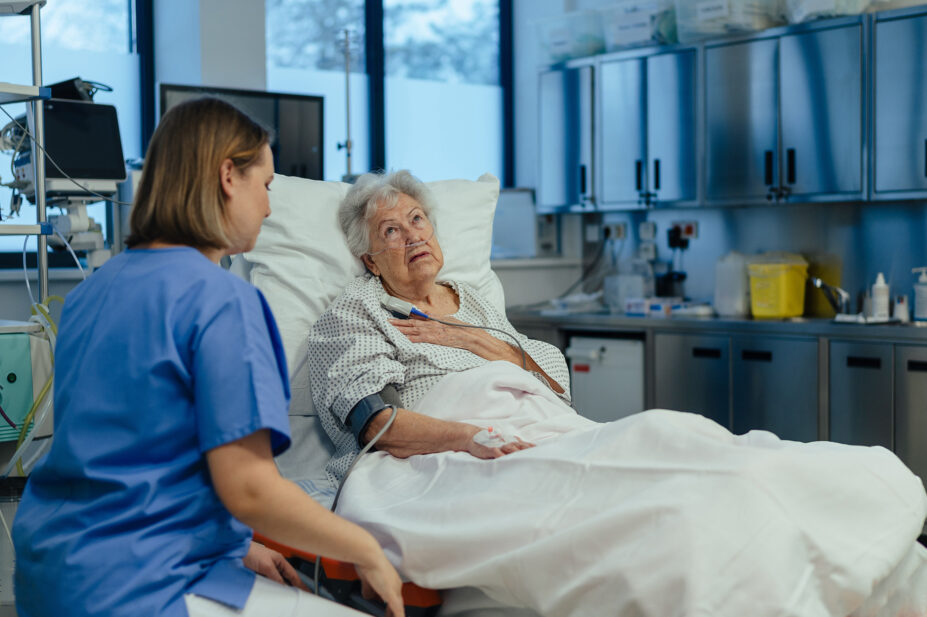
pixel 248 484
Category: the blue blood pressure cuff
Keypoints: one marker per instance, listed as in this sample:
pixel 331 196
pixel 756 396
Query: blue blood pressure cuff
pixel 363 412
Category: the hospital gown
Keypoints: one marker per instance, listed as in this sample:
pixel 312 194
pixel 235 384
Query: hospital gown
pixel 354 352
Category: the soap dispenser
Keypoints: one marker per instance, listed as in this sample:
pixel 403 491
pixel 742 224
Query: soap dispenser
pixel 880 302
pixel 920 295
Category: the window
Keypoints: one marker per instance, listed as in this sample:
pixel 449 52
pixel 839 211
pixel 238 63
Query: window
pixel 306 55
pixel 443 99
pixel 90 39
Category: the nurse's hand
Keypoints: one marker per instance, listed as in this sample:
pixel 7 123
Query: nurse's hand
pixel 270 563
pixel 379 580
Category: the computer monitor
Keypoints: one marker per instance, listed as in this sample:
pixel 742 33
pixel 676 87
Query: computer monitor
pixel 296 122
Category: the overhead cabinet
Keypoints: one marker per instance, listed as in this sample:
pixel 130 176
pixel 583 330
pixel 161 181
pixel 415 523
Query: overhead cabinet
pixel 784 116
pixel 899 109
pixel 565 148
pixel 648 130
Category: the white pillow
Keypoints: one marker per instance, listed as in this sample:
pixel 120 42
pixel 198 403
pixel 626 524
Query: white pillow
pixel 301 261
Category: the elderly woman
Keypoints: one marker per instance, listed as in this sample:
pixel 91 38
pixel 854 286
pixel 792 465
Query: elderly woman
pixel 358 348
pixel 661 513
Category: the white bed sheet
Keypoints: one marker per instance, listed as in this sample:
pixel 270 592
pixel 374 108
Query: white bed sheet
pixel 659 514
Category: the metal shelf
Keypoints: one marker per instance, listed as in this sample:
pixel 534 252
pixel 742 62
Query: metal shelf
pixel 15 93
pixel 18 7
pixel 43 229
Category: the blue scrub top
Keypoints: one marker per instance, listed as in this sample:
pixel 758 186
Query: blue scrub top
pixel 162 355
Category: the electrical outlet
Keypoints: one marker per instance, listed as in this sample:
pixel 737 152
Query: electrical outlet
pixel 647 251
pixel 647 230
pixel 687 229
pixel 616 231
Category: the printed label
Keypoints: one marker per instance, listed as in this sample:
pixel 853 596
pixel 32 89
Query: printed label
pixel 711 9
pixel 630 28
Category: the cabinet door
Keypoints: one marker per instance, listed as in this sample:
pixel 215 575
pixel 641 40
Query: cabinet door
pixel 692 373
pixel 741 132
pixel 900 90
pixel 775 386
pixel 820 96
pixel 565 138
pixel 911 407
pixel 671 126
pixel 860 389
pixel 624 158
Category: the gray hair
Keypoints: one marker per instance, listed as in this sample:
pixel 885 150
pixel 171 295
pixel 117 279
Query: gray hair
pixel 371 191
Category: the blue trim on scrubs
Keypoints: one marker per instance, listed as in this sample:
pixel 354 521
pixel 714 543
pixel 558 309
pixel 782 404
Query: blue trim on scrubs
pixel 362 413
pixel 161 357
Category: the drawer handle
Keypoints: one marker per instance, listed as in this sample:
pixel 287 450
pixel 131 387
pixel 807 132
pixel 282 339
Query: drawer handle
pixel 917 366
pixel 705 352
pixel 862 362
pixel 751 355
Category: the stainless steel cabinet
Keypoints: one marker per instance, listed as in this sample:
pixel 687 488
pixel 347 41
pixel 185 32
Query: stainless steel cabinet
pixel 565 148
pixel 860 389
pixel 692 373
pixel 785 116
pixel 648 140
pixel 911 407
pixel 741 135
pixel 899 109
pixel 775 386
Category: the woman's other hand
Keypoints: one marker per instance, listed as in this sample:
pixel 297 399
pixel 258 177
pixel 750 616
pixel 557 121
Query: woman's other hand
pixel 379 580
pixel 270 563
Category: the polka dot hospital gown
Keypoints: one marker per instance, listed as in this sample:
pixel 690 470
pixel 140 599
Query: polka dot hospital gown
pixel 354 352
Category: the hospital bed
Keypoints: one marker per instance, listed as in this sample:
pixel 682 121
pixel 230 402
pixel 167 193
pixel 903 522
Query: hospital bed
pixel 301 264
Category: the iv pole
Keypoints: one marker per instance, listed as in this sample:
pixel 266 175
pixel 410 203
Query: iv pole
pixel 347 145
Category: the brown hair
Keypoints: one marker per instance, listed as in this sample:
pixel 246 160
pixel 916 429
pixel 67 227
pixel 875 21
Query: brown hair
pixel 179 198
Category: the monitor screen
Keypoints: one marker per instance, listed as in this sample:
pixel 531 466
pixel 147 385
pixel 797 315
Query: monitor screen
pixel 295 120
pixel 83 139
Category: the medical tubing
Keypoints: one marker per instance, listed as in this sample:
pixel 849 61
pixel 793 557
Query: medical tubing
pixel 71 251
pixel 61 171
pixel 27 440
pixel 364 450
pixel 7 418
pixel 24 440
pixel 26 273
pixel 39 452
pixel 524 356
pixel 589 270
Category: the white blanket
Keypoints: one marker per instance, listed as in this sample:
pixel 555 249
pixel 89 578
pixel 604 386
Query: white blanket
pixel 659 514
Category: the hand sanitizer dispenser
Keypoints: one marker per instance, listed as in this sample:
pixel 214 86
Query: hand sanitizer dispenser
pixel 920 295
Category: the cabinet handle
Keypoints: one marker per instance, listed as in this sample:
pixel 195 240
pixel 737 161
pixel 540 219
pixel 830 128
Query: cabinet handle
pixel 925 157
pixel 656 174
pixel 918 366
pixel 706 352
pixel 751 355
pixel 768 167
pixel 639 171
pixel 863 362
pixel 790 165
pixel 582 179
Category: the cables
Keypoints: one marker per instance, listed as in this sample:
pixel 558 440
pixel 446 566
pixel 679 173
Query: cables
pixel 364 450
pixel 524 356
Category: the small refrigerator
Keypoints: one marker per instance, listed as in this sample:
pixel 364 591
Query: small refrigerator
pixel 606 377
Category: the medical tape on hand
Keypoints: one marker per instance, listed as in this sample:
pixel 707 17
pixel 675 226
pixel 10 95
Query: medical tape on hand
pixel 492 438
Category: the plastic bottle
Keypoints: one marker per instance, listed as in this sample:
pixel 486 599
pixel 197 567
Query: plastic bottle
pixel 880 299
pixel 920 295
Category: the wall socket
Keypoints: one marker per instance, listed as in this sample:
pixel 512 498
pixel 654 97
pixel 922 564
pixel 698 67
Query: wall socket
pixel 687 229
pixel 616 231
pixel 647 230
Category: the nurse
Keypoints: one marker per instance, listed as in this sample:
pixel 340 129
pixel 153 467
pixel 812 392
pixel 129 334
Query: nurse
pixel 171 398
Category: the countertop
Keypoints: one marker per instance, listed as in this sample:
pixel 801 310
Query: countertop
pixel 603 321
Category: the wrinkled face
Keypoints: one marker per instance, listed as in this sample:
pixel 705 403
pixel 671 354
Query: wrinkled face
pixel 404 250
pixel 247 202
